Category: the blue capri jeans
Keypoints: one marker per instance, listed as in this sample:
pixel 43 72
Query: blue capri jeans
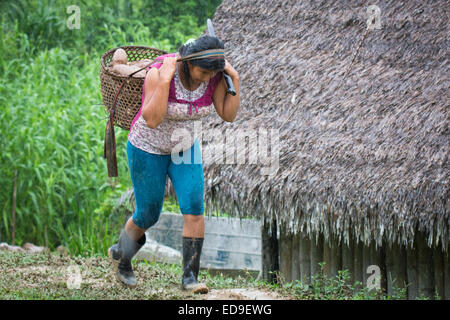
pixel 148 175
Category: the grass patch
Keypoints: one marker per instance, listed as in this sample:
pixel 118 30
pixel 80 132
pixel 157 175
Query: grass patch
pixel 45 276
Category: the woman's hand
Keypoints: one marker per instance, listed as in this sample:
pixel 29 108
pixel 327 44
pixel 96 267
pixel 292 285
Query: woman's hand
pixel 227 105
pixel 230 70
pixel 167 70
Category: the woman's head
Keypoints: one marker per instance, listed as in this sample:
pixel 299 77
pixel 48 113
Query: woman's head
pixel 201 69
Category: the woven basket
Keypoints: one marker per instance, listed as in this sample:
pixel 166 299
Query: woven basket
pixel 126 90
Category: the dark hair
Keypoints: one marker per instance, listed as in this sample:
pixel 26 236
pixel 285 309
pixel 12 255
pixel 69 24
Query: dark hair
pixel 203 43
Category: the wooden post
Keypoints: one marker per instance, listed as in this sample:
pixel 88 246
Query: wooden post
pixel 411 271
pixel 425 267
pixel 305 259
pixel 13 222
pixel 269 254
pixel 390 272
pixel 395 267
pixel 358 265
pixel 439 282
pixel 295 266
pixel 381 251
pixel 316 254
pixel 371 257
pixel 366 255
pixel 338 255
pixel 286 254
pixel 447 274
pixel 327 257
pixel 376 259
pixel 347 259
pixel 332 257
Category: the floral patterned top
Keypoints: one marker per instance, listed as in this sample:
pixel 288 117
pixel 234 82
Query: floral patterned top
pixel 177 128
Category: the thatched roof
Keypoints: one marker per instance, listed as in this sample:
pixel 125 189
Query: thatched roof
pixel 366 155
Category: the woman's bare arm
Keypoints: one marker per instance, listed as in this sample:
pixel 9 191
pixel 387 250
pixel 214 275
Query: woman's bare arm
pixel 157 85
pixel 227 105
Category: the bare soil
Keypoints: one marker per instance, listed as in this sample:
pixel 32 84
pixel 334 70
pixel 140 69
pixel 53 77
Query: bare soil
pixel 242 294
pixel 55 276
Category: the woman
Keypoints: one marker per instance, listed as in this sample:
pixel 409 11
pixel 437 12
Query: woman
pixel 174 94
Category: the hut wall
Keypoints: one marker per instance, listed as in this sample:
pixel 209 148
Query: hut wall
pixel 425 268
pixel 286 255
pixel 332 256
pixel 305 259
pixel 316 251
pixel 411 272
pixel 395 268
pixel 269 255
pixel 358 264
pixel 418 271
pixel 348 259
pixel 295 261
pixel 447 276
pixel 439 273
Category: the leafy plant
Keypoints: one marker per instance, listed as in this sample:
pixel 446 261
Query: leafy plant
pixel 52 121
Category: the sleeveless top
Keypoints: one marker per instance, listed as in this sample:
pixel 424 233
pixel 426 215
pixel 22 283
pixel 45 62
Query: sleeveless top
pixel 183 106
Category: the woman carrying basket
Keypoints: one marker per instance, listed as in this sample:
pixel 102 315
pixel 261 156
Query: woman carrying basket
pixel 175 94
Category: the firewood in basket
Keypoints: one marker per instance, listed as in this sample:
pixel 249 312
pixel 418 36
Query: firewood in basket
pixel 124 70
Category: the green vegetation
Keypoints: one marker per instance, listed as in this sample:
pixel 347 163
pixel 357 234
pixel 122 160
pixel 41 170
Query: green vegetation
pixel 171 205
pixel 52 121
pixel 337 288
pixel 105 24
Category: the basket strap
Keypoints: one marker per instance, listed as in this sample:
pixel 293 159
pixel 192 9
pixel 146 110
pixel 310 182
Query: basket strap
pixel 131 74
pixel 113 108
pixel 206 54
pixel 109 151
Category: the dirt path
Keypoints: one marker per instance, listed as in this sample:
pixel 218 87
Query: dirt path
pixel 241 294
pixel 53 276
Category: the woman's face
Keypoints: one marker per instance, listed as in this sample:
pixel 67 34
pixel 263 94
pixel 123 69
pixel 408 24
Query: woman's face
pixel 199 74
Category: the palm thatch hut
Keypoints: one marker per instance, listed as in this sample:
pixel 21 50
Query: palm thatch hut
pixel 361 116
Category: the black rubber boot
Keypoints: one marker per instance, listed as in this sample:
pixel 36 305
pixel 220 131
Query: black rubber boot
pixel 192 249
pixel 121 255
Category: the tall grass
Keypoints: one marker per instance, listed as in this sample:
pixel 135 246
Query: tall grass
pixel 52 134
pixel 52 121
pixel 45 21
